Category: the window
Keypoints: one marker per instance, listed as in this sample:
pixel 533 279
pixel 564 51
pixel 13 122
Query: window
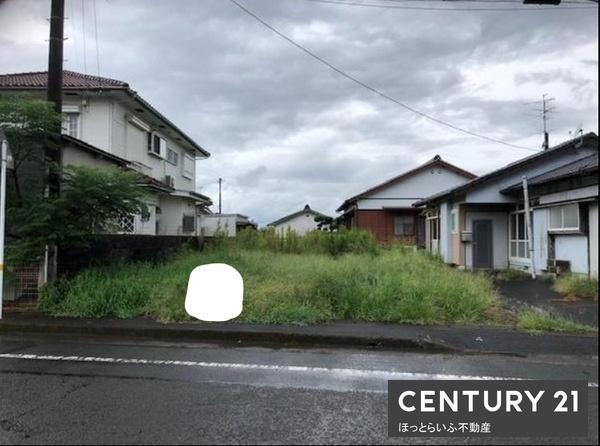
pixel 72 124
pixel 564 218
pixel 157 145
pixel 127 224
pixel 519 244
pixel 172 156
pixel 188 166
pixel 189 223
pixel 454 222
pixel 404 225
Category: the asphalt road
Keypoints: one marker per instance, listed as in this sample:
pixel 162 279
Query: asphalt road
pixel 63 390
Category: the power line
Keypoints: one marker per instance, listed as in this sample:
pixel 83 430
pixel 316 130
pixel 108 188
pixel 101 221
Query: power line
pixel 96 36
pixel 72 26
pixel 520 2
pixel 460 9
pixel 372 89
pixel 83 35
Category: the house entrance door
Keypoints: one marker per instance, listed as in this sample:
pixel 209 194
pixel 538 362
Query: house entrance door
pixel 482 244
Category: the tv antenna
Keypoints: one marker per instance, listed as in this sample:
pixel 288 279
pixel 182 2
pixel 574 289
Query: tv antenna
pixel 578 131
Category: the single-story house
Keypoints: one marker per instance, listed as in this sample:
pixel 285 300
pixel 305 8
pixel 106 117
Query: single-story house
pixel 300 222
pixel 387 208
pixel 227 224
pixel 482 224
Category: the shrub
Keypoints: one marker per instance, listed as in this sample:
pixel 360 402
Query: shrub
pixel 313 242
pixel 398 285
pixel 535 321
pixel 578 286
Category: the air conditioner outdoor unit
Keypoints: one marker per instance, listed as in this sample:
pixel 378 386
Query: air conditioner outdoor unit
pixel 170 181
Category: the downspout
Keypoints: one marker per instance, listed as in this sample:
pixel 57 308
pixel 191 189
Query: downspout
pixel 528 222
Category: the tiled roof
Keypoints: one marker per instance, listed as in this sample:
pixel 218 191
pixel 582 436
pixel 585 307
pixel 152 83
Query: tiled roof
pixel 589 139
pixel 78 81
pixel 579 167
pixel 71 79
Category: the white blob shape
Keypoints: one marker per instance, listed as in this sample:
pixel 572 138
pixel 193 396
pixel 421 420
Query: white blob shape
pixel 215 293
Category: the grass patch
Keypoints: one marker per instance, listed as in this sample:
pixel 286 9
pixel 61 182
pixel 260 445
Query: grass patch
pixel 322 278
pixel 511 274
pixel 538 322
pixel 577 286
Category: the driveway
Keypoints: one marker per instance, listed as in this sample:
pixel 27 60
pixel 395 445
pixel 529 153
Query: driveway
pixel 523 293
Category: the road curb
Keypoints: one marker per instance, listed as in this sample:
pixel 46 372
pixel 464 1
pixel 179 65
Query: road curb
pixel 280 338
pixel 341 334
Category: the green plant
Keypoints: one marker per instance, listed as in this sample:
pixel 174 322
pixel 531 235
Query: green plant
pixel 538 322
pixel 91 199
pixel 281 287
pixel 512 274
pixel 91 202
pixel 30 126
pixel 577 286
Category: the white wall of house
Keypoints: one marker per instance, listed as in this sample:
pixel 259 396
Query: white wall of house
pixel 72 156
pixel 105 121
pixel 581 250
pixel 209 225
pixel 411 189
pixel 489 193
pixel 94 126
pixel 593 239
pixel 148 226
pixel 300 224
pixel 172 211
pixel 570 247
pixel 499 237
pixel 573 248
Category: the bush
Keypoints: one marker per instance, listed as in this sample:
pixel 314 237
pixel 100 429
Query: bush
pixel 534 321
pixel 577 286
pixel 398 285
pixel 313 242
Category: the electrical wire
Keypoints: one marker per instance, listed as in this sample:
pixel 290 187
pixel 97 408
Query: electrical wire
pixel 83 36
pixel 524 8
pixel 96 36
pixel 372 89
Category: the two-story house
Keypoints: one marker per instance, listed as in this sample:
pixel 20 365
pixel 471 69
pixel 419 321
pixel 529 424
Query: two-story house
pixel 108 123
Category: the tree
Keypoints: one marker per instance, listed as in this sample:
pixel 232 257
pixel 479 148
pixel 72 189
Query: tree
pixel 29 125
pixel 330 224
pixel 91 202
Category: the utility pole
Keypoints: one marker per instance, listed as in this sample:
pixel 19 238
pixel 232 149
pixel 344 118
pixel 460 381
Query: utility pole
pixel 54 95
pixel 55 54
pixel 220 182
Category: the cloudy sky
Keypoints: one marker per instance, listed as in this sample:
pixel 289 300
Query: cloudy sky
pixel 284 130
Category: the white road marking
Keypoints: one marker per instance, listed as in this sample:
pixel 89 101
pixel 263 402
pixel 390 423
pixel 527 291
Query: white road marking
pixel 268 367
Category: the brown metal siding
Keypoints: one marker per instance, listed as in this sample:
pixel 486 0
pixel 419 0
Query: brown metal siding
pixel 381 224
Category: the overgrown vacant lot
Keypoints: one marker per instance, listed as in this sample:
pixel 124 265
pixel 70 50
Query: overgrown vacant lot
pixel 292 280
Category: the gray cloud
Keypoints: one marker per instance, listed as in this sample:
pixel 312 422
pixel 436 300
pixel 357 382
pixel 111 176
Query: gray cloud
pixel 285 130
